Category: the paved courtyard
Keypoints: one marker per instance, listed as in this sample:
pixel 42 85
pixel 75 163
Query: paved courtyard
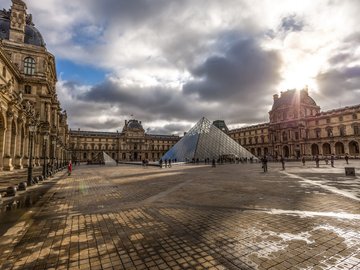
pixel 190 217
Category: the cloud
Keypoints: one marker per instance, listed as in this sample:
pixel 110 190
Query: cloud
pixel 291 23
pixel 344 80
pixel 171 62
pixel 245 71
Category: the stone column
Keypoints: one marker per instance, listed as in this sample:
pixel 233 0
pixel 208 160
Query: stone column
pixel 8 159
pixel 20 146
pixel 2 146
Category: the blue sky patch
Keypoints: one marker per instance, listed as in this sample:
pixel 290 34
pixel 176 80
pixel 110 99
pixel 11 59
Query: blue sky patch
pixel 71 71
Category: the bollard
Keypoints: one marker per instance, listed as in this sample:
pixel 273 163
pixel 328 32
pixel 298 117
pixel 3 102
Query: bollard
pixel 36 179
pixel 11 191
pixel 349 171
pixel 22 186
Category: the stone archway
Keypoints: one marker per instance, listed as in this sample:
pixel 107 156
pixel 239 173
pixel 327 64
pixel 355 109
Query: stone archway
pixel 286 151
pixel 314 149
pixel 326 149
pixel 339 148
pixel 354 148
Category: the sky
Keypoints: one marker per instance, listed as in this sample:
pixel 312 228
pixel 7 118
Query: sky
pixel 170 62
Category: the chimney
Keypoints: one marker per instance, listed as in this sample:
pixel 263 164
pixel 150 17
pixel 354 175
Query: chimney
pixel 306 90
pixel 17 21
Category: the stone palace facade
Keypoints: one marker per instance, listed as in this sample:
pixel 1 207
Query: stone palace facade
pixel 31 119
pixel 33 124
pixel 132 144
pixel 299 128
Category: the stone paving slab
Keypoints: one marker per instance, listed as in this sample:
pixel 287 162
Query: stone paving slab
pixel 190 217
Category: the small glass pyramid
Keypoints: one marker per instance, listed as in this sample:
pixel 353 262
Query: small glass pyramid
pixel 204 140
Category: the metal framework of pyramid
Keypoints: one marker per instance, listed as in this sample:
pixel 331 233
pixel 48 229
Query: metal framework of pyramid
pixel 105 159
pixel 204 140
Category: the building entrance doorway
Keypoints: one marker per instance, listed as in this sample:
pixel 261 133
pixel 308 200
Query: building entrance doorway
pixel 286 151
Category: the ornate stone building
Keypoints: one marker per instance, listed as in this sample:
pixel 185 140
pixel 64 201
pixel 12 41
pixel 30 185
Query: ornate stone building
pixel 298 128
pixel 132 144
pixel 29 108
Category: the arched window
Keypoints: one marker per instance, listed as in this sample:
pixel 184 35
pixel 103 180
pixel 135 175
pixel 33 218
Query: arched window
pixel 342 131
pixel 284 136
pixel 29 66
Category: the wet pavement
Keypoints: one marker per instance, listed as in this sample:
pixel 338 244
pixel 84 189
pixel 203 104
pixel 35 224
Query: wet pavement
pixel 190 217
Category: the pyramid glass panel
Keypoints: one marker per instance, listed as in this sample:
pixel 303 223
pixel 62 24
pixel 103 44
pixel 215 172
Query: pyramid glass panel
pixel 205 140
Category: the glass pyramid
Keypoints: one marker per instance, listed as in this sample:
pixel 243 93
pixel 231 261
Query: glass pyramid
pixel 103 158
pixel 204 140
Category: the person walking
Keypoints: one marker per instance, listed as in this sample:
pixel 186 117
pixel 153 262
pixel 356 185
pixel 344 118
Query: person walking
pixel 332 159
pixel 317 160
pixel 264 163
pixel 347 159
pixel 303 160
pixel 213 163
pixel 282 160
pixel 169 163
pixel 69 168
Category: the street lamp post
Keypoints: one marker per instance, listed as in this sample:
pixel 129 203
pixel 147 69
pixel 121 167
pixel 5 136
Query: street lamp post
pixel 44 155
pixel 32 129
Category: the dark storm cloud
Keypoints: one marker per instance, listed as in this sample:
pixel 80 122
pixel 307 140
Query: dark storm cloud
pixel 339 87
pixel 169 129
pixel 340 58
pixel 223 86
pixel 343 79
pixel 245 72
pixel 103 125
pixel 291 23
pixel 150 103
pixel 125 11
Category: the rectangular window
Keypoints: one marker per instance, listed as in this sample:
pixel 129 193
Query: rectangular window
pixel 342 131
pixel 27 89
pixel 356 130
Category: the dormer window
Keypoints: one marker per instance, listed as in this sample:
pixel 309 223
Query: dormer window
pixel 29 66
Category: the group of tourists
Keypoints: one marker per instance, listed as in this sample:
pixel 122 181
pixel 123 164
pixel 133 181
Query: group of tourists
pixel 264 161
pixel 166 163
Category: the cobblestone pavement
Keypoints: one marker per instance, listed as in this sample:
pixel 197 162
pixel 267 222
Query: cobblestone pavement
pixel 191 217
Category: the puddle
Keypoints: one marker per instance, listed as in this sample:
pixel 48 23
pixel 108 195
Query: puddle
pixel 23 201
